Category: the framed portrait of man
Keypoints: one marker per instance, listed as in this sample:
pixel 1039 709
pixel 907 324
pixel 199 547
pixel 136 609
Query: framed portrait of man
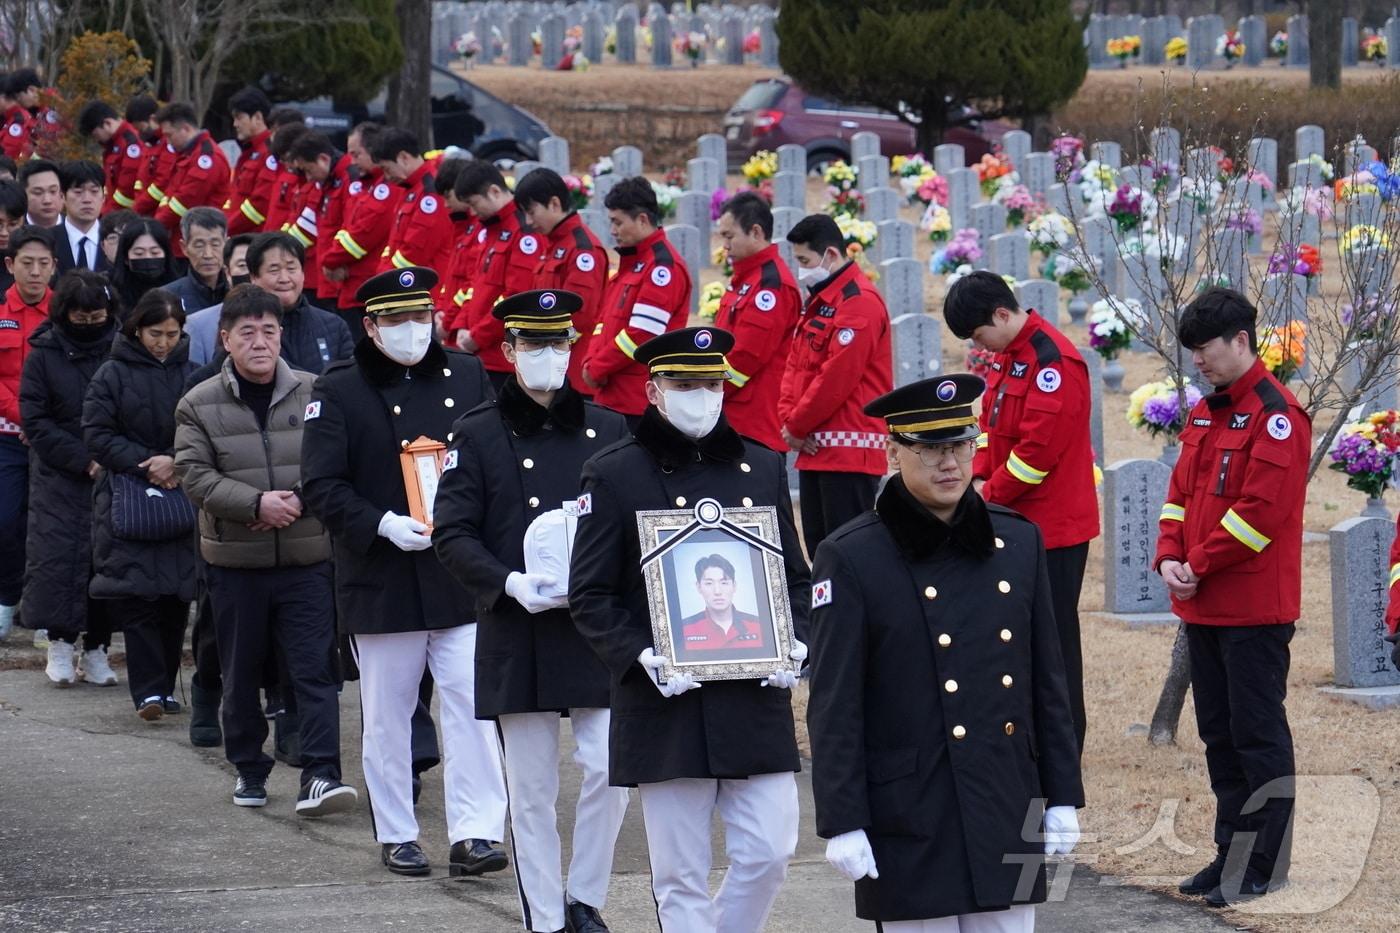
pixel 717 591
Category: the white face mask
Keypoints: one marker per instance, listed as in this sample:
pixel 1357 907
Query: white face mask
pixel 693 412
pixel 405 343
pixel 543 369
pixel 813 275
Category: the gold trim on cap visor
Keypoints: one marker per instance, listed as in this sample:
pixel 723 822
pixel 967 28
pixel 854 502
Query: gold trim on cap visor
pixel 932 425
pixel 399 302
pixel 538 323
pixel 693 369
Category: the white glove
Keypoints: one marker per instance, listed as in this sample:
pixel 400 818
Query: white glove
pixel 404 532
pixel 787 679
pixel 671 686
pixel 525 588
pixel 1061 830
pixel 849 853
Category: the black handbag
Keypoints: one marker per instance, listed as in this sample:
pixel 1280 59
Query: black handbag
pixel 143 512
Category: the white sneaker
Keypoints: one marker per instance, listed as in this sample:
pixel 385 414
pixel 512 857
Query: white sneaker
pixel 60 666
pixel 96 670
pixel 41 638
pixel 7 620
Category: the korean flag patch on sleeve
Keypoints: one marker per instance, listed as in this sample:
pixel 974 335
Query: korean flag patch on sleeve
pixel 313 411
pixel 821 593
pixel 585 504
pixel 449 462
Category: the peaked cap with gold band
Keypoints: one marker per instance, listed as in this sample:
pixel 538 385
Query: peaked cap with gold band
pixel 688 353
pixel 398 290
pixel 931 411
pixel 544 314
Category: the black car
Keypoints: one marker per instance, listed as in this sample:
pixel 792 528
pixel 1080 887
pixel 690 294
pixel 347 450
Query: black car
pixel 464 115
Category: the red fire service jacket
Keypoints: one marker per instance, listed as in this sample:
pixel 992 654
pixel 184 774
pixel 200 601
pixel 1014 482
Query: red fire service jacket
pixel 575 261
pixel 760 308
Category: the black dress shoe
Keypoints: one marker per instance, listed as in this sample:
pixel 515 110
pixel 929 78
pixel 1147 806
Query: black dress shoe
pixel 1224 895
pixel 1204 880
pixel 580 918
pixel 405 858
pixel 475 857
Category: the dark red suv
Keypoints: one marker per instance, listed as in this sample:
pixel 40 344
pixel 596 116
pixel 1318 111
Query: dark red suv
pixel 775 112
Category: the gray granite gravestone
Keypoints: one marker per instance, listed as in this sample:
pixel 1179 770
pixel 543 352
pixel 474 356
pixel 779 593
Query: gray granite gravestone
pixel 768 41
pixel 1254 33
pixel 1285 299
pixel 693 210
pixel 895 240
pixel 1262 154
pixel 1351 42
pixel 712 146
pixel 686 240
pixel 627 161
pixel 881 204
pixel 594 36
pixel 1094 363
pixel 1360 550
pixel 1230 254
pixel 520 47
pixel 1133 494
pixel 1058 199
pixel 792 158
pixel 1298 41
pixel 989 220
pixel 1096 38
pixel 1009 254
pixel 626 53
pixel 602 184
pixel 660 41
pixel 902 284
pixel 963 192
pixel 917 341
pixel 551 41
pixel 554 154
pixel 1361 209
pixel 947 157
pixel 1016 145
pixel 1368 271
pixel 1309 139
pixel 1200 43
pixel 704 175
pixel 785 249
pixel 1108 152
pixel 1392 42
pixel 1166 145
pixel 1154 41
pixel 872 172
pixel 790 190
pixel 732 29
pixel 1039 172
pixel 784 219
pixel 1042 296
pixel 596 219
pixel 864 145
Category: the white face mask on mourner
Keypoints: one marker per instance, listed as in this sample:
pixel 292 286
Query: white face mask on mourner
pixel 542 370
pixel 693 412
pixel 405 343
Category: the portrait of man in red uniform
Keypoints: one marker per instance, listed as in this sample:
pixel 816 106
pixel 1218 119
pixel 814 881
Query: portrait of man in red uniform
pixel 721 625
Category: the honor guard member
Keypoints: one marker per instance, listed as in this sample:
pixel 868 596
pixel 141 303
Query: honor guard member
pixel 402 607
pixel 422 232
pixel 573 258
pixel 690 749
pixel 760 308
pixel 1230 551
pixel 249 197
pixel 351 257
pixel 505 264
pixel 839 362
pixel 200 176
pixel 939 718
pixel 512 460
pixel 1034 453
pixel 647 296
pixel 122 152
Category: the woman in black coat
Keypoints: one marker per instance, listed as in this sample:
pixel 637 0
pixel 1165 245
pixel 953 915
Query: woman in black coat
pixel 145 260
pixel 129 427
pixel 65 353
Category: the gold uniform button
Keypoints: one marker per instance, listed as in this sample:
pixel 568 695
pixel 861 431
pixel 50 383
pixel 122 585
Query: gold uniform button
pixel 1006 680
pixel 945 640
pixel 930 592
pixel 527 463
pixel 591 433
pixel 680 501
pixel 1006 634
pixel 747 502
pixel 398 410
pixel 1004 586
pixel 1010 728
pixel 535 502
pixel 448 402
pixel 951 686
pixel 959 732
pixel 1000 543
pixel 746 468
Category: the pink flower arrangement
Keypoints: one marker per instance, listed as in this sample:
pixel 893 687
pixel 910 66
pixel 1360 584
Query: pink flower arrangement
pixel 1019 205
pixel 1126 207
pixel 753 43
pixel 1246 219
pixel 934 190
pixel 1069 155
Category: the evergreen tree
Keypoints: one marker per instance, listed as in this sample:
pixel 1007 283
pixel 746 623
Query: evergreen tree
pixel 921 58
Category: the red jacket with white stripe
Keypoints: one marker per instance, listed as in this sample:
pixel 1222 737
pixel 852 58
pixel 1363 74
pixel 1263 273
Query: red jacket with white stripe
pixel 1034 451
pixel 422 233
pixel 17 322
pixel 760 308
pixel 576 261
pixel 370 204
pixel 647 296
pixel 246 208
pixel 505 265
pixel 1234 509
pixel 199 178
pixel 122 161
pixel 840 361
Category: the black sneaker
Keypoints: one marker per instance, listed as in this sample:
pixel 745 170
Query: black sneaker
pixel 581 918
pixel 250 792
pixel 151 708
pixel 171 705
pixel 322 796
pixel 1251 888
pixel 1205 879
pixel 475 857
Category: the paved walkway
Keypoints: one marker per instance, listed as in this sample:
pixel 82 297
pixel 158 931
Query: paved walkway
pixel 108 823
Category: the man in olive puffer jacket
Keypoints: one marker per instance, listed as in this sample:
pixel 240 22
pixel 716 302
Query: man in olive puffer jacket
pixel 238 454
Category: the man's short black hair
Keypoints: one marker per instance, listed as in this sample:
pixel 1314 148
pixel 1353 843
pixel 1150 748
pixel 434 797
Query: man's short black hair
pixel 817 232
pixel 14 203
pixel 972 299
pixel 250 101
pixel 31 233
pixel 476 178
pixel 178 113
pixel 155 307
pixel 115 222
pixel 8 164
pixel 1216 312
pixel 539 186
pixel 445 176
pixel 82 290
pixel 713 560
pixel 749 211
pixel 35 167
pixel 235 241
pixel 284 138
pixel 368 131
pixel 282 116
pixel 634 196
pixel 80 172
pixel 393 140
pixel 141 108
pixel 310 146
pixel 94 114
pixel 20 81
pixel 248 300
pixel 265 243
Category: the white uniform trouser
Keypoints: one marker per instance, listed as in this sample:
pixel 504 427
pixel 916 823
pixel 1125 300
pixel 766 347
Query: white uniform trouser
pixel 760 836
pixel 474 791
pixel 1019 919
pixel 530 742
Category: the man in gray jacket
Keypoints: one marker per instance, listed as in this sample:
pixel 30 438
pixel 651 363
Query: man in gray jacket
pixel 238 454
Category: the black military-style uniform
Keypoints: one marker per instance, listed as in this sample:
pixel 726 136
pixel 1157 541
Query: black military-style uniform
pixel 729 729
pixel 515 460
pixel 939 713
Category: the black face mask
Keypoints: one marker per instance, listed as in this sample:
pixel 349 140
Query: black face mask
pixel 243 279
pixel 147 270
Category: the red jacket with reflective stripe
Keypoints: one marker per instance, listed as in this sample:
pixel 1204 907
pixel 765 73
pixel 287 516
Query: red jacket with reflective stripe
pixel 839 362
pixel 200 178
pixel 1234 509
pixel 1037 458
pixel 248 202
pixel 155 176
pixel 575 261
pixel 17 322
pixel 648 295
pixel 330 213
pixel 455 287
pixel 122 160
pixel 422 233
pixel 369 210
pixel 505 265
pixel 760 308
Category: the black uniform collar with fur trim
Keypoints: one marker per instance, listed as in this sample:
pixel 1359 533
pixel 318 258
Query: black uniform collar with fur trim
pixel 671 448
pixel 381 371
pixel 919 533
pixel 525 416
